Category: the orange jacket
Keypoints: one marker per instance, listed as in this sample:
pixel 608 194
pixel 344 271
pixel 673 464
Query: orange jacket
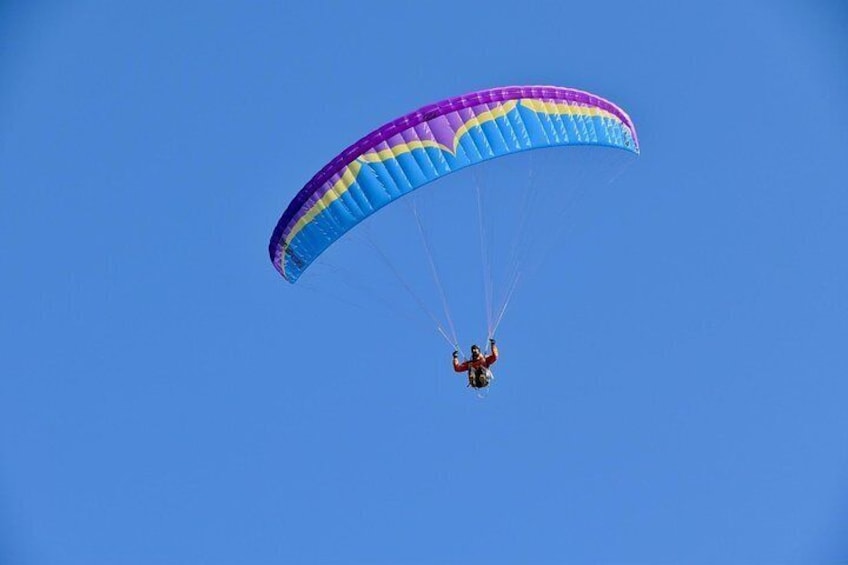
pixel 485 361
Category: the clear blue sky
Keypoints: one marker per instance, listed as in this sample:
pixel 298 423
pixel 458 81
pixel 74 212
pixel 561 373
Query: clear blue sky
pixel 673 385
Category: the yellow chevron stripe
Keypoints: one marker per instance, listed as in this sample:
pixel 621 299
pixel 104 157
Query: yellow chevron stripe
pixel 348 177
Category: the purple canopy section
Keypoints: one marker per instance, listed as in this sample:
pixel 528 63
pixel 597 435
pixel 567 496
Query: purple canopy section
pixel 295 208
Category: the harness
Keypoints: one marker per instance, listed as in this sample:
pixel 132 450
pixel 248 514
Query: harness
pixel 480 376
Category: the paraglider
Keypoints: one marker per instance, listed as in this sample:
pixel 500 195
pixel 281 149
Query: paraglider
pixel 428 144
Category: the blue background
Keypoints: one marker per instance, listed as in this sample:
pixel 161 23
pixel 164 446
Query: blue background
pixel 167 398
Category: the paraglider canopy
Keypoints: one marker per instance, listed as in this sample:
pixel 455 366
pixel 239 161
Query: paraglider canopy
pixel 432 142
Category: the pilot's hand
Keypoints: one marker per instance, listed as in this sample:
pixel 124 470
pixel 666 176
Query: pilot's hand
pixel 455 354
